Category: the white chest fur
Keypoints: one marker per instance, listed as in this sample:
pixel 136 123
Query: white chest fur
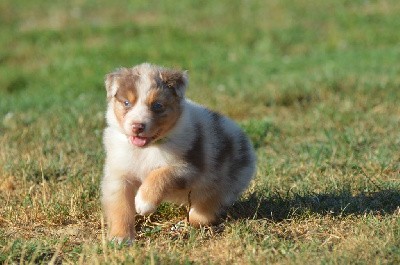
pixel 125 160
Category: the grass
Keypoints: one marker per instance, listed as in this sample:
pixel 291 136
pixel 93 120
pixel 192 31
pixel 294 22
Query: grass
pixel 315 84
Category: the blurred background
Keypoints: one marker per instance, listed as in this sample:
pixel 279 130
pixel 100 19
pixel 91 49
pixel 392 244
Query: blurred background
pixel 312 82
pixel 249 54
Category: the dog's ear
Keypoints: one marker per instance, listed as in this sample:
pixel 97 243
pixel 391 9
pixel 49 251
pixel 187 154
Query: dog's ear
pixel 111 85
pixel 176 80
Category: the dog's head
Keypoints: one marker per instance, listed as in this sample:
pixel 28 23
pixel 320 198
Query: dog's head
pixel 145 101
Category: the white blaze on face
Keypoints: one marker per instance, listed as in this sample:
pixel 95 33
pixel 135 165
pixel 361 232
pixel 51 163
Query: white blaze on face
pixel 137 86
pixel 140 113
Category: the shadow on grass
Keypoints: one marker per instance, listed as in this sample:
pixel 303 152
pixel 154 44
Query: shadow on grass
pixel 278 208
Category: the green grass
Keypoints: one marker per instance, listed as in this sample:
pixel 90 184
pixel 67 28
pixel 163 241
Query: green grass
pixel 315 84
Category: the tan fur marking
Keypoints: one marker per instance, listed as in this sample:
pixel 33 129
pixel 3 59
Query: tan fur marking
pixel 126 82
pixel 205 212
pixel 120 111
pixel 159 182
pixel 165 121
pixel 175 80
pixel 121 214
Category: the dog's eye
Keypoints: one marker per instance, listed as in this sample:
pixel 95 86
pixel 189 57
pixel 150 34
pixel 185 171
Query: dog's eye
pixel 127 104
pixel 157 107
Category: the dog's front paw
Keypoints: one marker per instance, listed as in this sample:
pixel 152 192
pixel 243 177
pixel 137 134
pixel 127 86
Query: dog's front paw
pixel 122 241
pixel 144 207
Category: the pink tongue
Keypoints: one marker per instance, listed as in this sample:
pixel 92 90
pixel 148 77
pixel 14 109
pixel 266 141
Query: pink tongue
pixel 139 141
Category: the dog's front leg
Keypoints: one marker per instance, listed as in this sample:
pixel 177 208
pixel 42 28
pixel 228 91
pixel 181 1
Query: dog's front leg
pixel 118 203
pixel 155 187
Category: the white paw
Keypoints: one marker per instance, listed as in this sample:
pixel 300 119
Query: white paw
pixel 123 241
pixel 143 207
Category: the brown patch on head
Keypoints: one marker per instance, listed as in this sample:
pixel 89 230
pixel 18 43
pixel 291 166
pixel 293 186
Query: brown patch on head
pixel 166 90
pixel 174 80
pixel 110 81
pixel 171 109
pixel 195 155
pixel 121 88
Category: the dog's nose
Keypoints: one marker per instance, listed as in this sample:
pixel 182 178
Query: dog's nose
pixel 138 127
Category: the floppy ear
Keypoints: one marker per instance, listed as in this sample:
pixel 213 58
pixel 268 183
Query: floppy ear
pixel 176 80
pixel 111 85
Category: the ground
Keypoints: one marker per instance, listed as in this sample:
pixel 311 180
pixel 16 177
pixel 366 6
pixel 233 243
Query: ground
pixel 315 84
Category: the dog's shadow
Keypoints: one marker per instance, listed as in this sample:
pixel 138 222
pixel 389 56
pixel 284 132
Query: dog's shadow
pixel 278 208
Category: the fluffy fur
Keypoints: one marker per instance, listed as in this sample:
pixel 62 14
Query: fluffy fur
pixel 161 146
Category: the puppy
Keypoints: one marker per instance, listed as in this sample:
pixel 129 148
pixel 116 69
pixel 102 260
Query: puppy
pixel 161 146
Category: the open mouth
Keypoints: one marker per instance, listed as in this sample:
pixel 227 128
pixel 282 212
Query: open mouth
pixel 142 141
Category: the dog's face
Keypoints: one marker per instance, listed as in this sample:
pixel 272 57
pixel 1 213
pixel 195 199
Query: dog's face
pixel 146 101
